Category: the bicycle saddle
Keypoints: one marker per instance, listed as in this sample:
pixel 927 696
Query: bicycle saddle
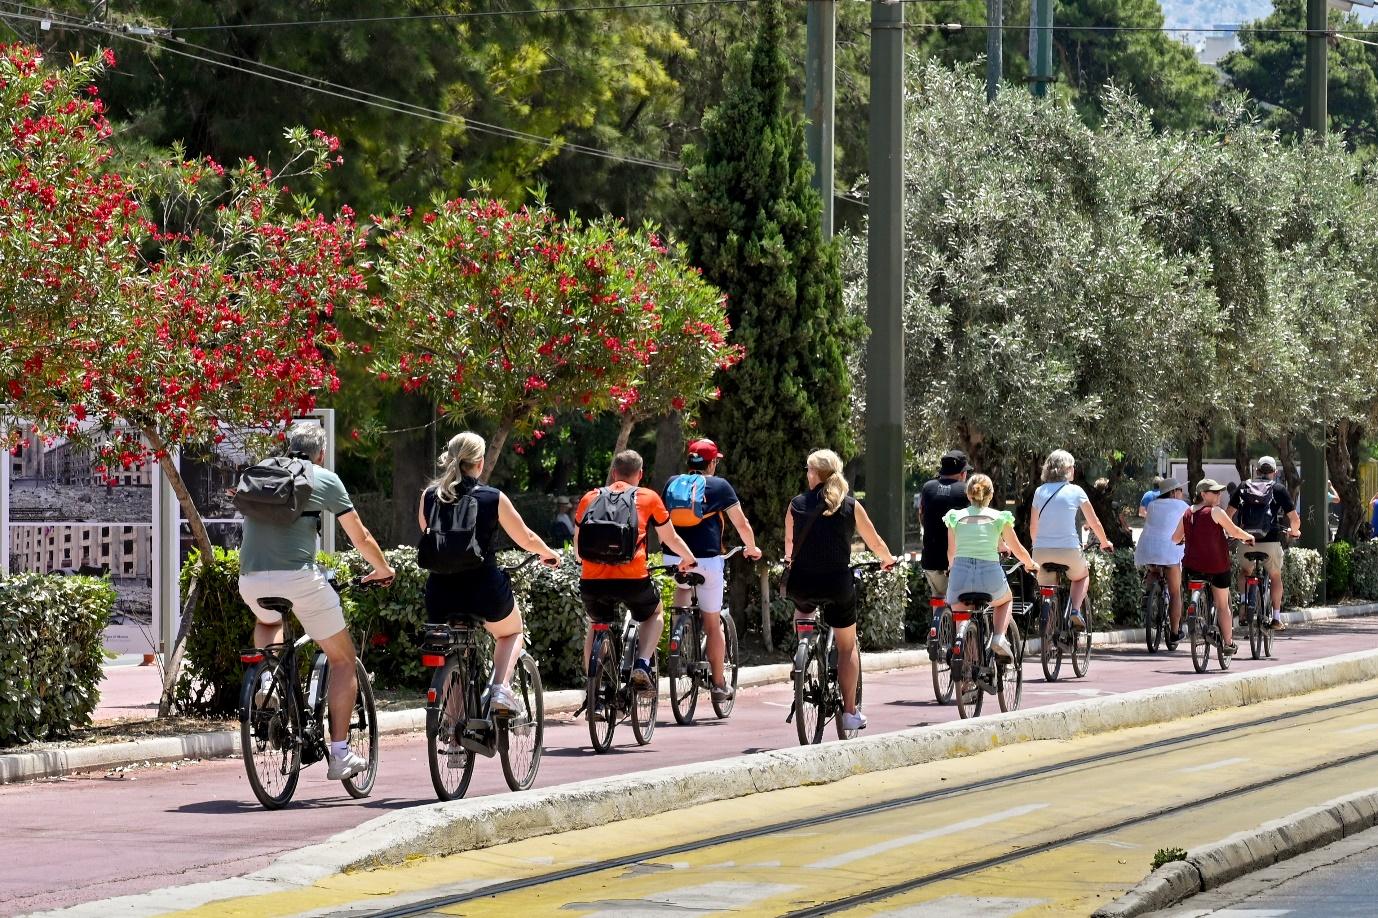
pixel 1056 568
pixel 1256 555
pixel 689 578
pixel 974 599
pixel 276 604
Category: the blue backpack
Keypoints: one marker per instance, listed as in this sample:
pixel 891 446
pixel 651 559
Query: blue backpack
pixel 686 500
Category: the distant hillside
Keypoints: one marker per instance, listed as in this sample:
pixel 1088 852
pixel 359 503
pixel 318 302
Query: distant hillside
pixel 1201 14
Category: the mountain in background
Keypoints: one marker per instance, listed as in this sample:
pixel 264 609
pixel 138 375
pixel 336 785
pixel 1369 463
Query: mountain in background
pixel 1202 14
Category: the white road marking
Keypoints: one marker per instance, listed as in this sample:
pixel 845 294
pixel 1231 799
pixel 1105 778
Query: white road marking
pixel 1362 728
pixel 701 899
pixel 964 907
pixel 904 841
pixel 1212 766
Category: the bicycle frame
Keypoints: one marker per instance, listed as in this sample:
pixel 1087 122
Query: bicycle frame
pixel 814 637
pixel 313 745
pixel 983 621
pixel 442 642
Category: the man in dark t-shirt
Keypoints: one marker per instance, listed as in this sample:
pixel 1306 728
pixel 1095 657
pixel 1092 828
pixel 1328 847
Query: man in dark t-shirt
pixel 939 495
pixel 1261 506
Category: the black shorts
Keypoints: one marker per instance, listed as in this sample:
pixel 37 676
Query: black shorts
pixel 484 594
pixel 602 597
pixel 1220 581
pixel 835 594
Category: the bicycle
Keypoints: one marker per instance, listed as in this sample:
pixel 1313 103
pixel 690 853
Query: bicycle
pixel 817 692
pixel 284 726
pixel 609 696
pixel 686 661
pixel 1256 606
pixel 941 637
pixel 461 725
pixel 1057 636
pixel 1204 628
pixel 1157 619
pixel 977 671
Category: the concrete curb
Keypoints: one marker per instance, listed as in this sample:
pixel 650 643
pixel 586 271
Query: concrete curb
pixel 1216 864
pixel 28 766
pixel 464 825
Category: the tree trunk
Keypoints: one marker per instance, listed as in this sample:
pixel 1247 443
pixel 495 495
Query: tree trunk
pixel 1288 458
pixel 495 445
pixel 766 638
pixel 1241 454
pixel 624 436
pixel 1342 455
pixel 669 449
pixel 1028 476
pixel 411 464
pixel 1196 458
pixel 172 667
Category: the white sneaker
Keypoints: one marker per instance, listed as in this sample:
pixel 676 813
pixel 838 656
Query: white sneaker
pixel 502 701
pixel 346 766
pixel 1000 646
pixel 855 721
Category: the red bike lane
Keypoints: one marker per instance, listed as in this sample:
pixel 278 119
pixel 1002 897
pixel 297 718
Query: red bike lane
pixel 95 836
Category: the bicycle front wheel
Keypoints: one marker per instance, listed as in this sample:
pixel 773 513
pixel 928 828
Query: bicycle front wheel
pixel 1048 652
pixel 969 694
pixel 270 736
pixel 1200 646
pixel 1081 642
pixel 646 705
pixel 942 667
pixel 363 735
pixel 452 766
pixel 520 738
pixel 810 680
pixel 730 665
pixel 1010 676
pixel 600 700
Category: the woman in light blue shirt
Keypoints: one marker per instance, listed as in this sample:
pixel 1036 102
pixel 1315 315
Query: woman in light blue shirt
pixel 1054 533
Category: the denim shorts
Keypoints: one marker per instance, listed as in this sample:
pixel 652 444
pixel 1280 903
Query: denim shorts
pixel 974 575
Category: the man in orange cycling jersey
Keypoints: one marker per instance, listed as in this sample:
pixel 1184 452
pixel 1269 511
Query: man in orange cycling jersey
pixel 613 579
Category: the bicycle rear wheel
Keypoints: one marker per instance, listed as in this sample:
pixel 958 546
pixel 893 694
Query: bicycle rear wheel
pixel 520 738
pixel 684 677
pixel 942 667
pixel 1200 646
pixel 646 705
pixel 1009 682
pixel 1081 642
pixel 843 733
pixel 809 682
pixel 1048 652
pixel 600 699
pixel 363 735
pixel 730 665
pixel 270 737
pixel 1153 621
pixel 452 766
pixel 970 697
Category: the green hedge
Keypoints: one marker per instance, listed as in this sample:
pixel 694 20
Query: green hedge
pixel 51 634
pixel 1364 573
pixel 1116 588
pixel 883 607
pixel 1301 577
pixel 1339 569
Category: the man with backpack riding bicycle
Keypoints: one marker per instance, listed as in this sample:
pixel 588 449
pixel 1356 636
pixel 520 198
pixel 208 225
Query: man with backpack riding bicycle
pixel 938 497
pixel 282 499
pixel 1258 507
pixel 697 502
pixel 610 528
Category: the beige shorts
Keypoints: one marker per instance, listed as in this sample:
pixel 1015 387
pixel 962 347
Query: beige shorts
pixel 937 583
pixel 314 602
pixel 1071 557
pixel 1272 549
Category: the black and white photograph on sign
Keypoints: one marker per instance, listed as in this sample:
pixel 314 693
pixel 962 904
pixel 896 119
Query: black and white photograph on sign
pixel 56 480
pixel 211 471
pixel 227 534
pixel 124 553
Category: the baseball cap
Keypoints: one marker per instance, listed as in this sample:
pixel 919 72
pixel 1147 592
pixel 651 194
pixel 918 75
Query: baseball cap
pixel 1209 484
pixel 1267 463
pixel 954 462
pixel 704 451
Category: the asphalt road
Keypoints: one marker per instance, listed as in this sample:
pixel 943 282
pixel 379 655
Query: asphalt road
pixel 97 836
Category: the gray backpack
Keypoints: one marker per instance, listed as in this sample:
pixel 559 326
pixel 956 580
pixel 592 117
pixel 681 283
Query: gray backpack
pixel 276 490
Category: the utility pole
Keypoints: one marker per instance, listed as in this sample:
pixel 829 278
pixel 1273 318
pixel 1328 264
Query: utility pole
pixel 820 79
pixel 1315 525
pixel 885 277
pixel 1041 46
pixel 995 46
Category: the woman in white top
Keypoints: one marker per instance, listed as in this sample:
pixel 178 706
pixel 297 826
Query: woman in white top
pixel 1156 545
pixel 1054 533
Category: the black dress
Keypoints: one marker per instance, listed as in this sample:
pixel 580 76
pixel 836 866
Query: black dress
pixel 483 593
pixel 820 575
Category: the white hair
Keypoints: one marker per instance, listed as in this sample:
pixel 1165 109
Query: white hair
pixel 306 438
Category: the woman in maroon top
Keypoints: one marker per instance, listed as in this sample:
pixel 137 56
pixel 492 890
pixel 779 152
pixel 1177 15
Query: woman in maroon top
pixel 1206 528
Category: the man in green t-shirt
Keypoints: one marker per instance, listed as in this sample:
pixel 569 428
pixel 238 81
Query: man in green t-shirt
pixel 280 562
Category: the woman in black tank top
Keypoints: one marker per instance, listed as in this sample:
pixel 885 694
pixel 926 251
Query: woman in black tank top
pixel 484 593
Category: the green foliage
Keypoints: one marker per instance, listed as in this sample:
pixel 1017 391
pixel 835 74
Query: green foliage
pixel 211 671
pixel 883 604
pixel 1167 856
pixel 1116 587
pixel 751 223
pixel 1339 570
pixel 51 629
pixel 1364 580
pixel 1301 577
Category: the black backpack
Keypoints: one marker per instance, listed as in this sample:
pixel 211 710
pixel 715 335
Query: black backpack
pixel 610 533
pixel 455 549
pixel 276 490
pixel 1257 506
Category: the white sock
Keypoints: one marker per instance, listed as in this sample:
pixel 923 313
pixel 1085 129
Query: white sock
pixel 1277 615
pixel 338 749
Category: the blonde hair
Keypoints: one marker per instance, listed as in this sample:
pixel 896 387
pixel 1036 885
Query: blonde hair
pixel 1057 465
pixel 462 455
pixel 980 489
pixel 828 466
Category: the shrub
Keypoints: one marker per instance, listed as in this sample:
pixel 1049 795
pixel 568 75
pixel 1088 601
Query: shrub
pixel 211 671
pixel 1339 569
pixel 51 633
pixel 1167 856
pixel 1364 570
pixel 1116 587
pixel 1301 576
pixel 883 599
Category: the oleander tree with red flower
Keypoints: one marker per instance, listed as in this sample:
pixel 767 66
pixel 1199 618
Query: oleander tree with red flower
pixel 208 305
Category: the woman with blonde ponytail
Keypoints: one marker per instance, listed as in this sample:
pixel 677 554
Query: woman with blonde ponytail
pixel 819 528
pixel 484 592
pixel 975 536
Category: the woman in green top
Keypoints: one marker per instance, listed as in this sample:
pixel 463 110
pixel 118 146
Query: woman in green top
pixel 975 537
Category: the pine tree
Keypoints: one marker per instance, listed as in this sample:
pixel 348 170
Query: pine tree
pixel 752 223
